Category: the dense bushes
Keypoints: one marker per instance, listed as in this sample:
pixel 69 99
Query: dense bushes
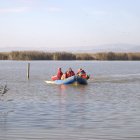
pixel 112 56
pixel 29 55
pixel 117 56
pixel 84 56
pixel 63 56
pixel 37 55
pixel 3 56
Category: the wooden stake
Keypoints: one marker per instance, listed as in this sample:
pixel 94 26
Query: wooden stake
pixel 28 71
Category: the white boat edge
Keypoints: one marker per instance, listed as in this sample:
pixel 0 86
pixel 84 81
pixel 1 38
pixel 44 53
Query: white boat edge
pixel 49 82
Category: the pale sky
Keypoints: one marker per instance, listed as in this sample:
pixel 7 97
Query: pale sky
pixel 68 23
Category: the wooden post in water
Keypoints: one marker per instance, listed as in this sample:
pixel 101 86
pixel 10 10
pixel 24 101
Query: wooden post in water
pixel 28 71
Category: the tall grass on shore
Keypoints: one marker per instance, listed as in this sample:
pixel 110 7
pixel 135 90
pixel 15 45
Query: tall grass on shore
pixel 38 55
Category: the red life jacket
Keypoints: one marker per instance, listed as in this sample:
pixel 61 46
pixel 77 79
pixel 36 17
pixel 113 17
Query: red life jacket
pixel 70 73
pixel 59 74
pixel 82 74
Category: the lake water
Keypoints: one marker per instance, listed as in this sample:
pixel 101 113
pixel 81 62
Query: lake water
pixel 108 108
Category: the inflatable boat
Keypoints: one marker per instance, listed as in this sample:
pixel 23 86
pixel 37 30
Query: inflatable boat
pixel 70 80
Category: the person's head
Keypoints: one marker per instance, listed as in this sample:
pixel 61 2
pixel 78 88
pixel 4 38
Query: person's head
pixel 70 69
pixel 59 69
pixel 79 70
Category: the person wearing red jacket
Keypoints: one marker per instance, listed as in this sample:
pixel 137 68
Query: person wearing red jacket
pixel 70 73
pixel 59 73
pixel 82 74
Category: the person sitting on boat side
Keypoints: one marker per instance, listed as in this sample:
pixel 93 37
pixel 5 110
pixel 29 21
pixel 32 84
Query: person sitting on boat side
pixel 82 74
pixel 58 75
pixel 70 72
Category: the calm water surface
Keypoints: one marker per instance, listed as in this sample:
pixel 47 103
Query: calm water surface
pixel 108 108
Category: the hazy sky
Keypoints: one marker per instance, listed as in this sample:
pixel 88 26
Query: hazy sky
pixel 68 23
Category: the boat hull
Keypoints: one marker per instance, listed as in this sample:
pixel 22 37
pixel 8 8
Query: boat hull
pixel 70 80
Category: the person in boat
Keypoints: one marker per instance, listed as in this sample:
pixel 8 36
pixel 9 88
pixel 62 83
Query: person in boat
pixel 58 75
pixel 67 74
pixel 82 74
pixel 70 72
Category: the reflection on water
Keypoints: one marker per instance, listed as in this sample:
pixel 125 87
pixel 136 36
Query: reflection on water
pixel 106 108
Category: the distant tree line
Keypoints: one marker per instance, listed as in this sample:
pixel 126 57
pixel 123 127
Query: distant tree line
pixel 37 55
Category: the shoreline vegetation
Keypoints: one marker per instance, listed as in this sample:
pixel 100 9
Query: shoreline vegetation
pixel 40 55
